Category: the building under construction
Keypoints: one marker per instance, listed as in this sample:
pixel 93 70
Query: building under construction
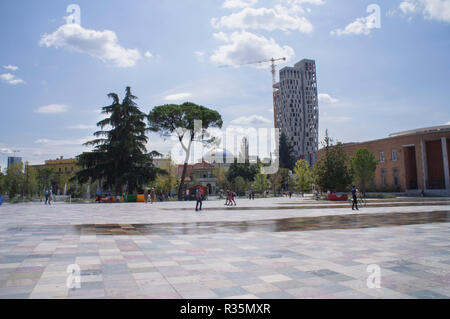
pixel 296 110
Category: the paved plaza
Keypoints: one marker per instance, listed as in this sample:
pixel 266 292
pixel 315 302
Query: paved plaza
pixel 265 248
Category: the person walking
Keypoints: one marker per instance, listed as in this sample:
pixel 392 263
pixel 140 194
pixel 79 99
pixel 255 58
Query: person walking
pixel 98 197
pixel 152 195
pixel 232 195
pixel 199 199
pixel 355 199
pixel 46 193
pixel 146 194
pixel 50 196
pixel 253 194
pixel 227 200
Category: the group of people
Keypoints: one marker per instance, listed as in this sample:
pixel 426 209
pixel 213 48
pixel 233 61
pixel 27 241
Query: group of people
pixel 152 195
pixel 230 198
pixel 251 194
pixel 48 193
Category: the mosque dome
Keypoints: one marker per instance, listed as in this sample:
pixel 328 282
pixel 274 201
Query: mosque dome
pixel 218 155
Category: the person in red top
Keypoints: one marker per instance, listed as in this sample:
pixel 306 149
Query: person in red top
pixel 231 196
pixel 152 195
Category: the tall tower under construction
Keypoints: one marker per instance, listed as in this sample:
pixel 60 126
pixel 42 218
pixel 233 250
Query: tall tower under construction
pixel 296 109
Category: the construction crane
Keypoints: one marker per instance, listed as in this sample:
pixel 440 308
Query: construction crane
pixel 273 70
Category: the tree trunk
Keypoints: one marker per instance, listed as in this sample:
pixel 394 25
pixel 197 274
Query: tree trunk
pixel 183 175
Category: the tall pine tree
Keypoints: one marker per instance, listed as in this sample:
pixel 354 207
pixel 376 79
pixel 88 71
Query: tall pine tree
pixel 120 156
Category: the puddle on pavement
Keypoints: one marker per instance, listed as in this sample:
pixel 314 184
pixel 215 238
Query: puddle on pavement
pixel 351 221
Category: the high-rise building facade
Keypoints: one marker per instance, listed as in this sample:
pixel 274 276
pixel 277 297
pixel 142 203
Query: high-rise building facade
pixel 296 109
pixel 14 160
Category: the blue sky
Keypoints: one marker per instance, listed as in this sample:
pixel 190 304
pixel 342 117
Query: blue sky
pixel 372 81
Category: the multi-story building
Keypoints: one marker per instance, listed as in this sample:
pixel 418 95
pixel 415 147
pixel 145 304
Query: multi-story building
pixel 14 160
pixel 296 110
pixel 59 166
pixel 413 160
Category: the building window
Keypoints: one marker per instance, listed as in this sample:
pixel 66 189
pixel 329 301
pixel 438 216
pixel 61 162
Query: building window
pixel 382 157
pixel 394 155
pixel 395 170
pixel 383 181
pixel 395 181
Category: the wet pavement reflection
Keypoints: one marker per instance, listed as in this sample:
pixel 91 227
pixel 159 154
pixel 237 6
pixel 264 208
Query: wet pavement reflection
pixel 350 221
pixel 314 206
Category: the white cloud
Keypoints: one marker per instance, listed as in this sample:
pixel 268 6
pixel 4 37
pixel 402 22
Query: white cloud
pixel 407 7
pixel 82 127
pixel 11 67
pixel 243 47
pixel 178 96
pixel 52 109
pixel 362 25
pixel 251 120
pixel 231 4
pixel 270 19
pixel 148 54
pixel 200 56
pixel 326 98
pixel 6 151
pixel 52 142
pixel 11 78
pixel 438 10
pixel 99 44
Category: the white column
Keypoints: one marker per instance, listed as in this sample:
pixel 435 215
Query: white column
pixel 424 163
pixel 445 160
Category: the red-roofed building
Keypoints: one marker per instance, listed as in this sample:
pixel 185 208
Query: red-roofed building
pixel 200 173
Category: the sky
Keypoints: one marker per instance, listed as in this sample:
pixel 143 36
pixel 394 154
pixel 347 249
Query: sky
pixel 382 66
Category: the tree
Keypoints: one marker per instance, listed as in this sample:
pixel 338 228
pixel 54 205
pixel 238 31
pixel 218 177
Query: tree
pixel 166 182
pixel 120 156
pixel 286 153
pixel 303 176
pixel 220 172
pixel 2 183
pixel 278 179
pixel 14 180
pixel 362 167
pixel 176 119
pixel 330 171
pixel 44 178
pixel 240 185
pixel 261 183
pixel 245 170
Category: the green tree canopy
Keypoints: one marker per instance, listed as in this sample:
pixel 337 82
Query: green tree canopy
pixel 261 183
pixel 120 156
pixel 303 176
pixel 362 167
pixel 14 180
pixel 181 120
pixel 245 170
pixel 330 171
